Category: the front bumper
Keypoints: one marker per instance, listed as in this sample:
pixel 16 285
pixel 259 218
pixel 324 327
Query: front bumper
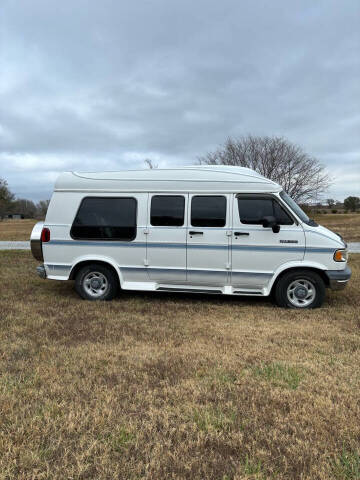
pixel 41 271
pixel 338 278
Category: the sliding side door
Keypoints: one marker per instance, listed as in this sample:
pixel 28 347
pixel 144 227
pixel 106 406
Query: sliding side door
pixel 208 240
pixel 166 238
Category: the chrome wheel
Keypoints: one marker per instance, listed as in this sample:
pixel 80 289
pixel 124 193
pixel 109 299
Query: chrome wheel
pixel 301 293
pixel 95 284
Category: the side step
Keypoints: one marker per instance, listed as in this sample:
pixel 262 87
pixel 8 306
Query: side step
pixel 152 286
pixel 191 290
pixel 246 292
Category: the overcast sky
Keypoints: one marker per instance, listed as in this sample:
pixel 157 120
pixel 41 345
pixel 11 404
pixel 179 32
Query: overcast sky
pixel 102 85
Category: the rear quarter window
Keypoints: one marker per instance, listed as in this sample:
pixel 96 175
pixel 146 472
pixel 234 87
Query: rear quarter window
pixel 105 218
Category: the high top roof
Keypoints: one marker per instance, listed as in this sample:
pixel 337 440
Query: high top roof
pixel 204 178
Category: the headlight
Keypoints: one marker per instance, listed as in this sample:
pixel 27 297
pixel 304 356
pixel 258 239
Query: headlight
pixel 341 256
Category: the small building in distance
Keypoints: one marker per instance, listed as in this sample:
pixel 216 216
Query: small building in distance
pixel 14 216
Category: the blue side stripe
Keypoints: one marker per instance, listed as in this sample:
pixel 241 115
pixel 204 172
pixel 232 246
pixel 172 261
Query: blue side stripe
pixel 259 248
pixel 320 250
pixel 194 270
pixel 265 248
pixel 97 243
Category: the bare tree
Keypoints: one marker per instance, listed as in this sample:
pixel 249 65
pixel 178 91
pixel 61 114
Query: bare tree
pixel 41 208
pixel 301 175
pixel 24 206
pixel 150 163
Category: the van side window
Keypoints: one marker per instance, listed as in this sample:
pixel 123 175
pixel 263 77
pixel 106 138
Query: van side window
pixel 105 218
pixel 281 216
pixel 167 210
pixel 208 211
pixel 253 209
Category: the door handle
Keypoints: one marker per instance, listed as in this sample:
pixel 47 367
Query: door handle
pixel 194 232
pixel 239 234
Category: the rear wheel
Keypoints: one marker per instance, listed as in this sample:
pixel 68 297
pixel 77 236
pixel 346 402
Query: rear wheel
pixel 300 289
pixel 96 282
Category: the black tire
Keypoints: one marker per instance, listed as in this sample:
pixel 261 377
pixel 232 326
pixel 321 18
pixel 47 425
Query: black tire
pixel 307 281
pixel 104 280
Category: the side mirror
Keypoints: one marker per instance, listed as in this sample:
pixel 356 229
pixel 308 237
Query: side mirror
pixel 270 222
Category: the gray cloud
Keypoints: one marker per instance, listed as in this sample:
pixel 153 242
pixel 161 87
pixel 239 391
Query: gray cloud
pixel 102 85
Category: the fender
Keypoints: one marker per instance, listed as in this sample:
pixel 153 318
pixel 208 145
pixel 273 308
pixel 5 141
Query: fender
pixel 97 258
pixel 288 266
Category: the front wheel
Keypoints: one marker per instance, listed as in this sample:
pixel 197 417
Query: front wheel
pixel 300 289
pixel 96 282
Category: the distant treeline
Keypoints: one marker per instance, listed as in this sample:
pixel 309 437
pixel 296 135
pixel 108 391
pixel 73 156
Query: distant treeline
pixel 10 205
pixel 350 204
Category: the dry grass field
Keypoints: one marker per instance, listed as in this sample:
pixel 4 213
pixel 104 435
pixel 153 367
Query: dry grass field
pixel 348 225
pixel 162 386
pixel 16 229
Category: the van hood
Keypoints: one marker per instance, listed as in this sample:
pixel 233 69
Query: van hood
pixel 325 232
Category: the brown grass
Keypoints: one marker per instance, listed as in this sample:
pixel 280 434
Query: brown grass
pixel 158 386
pixel 348 225
pixel 16 229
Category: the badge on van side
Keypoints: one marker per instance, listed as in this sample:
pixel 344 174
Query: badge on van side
pixel 288 241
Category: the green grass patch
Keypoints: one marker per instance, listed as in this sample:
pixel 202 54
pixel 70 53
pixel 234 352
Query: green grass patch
pixel 280 375
pixel 214 419
pixel 119 440
pixel 15 382
pixel 252 467
pixel 219 376
pixel 347 466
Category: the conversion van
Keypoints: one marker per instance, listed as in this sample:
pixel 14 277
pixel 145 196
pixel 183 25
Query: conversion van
pixel 203 229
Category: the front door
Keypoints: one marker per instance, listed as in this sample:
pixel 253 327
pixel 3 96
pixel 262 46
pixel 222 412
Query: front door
pixel 257 251
pixel 208 240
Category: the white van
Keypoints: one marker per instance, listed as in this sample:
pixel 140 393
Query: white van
pixel 203 229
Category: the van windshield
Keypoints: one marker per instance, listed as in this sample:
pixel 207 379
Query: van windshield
pixel 296 209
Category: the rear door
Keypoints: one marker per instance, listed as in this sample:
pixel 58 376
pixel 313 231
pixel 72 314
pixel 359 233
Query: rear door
pixel 257 251
pixel 208 240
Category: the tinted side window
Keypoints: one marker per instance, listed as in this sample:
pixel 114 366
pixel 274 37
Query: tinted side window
pixel 253 209
pixel 281 216
pixel 167 210
pixel 208 211
pixel 100 218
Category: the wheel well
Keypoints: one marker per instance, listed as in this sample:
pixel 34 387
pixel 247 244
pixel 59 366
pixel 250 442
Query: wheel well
pixel 321 273
pixel 80 265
